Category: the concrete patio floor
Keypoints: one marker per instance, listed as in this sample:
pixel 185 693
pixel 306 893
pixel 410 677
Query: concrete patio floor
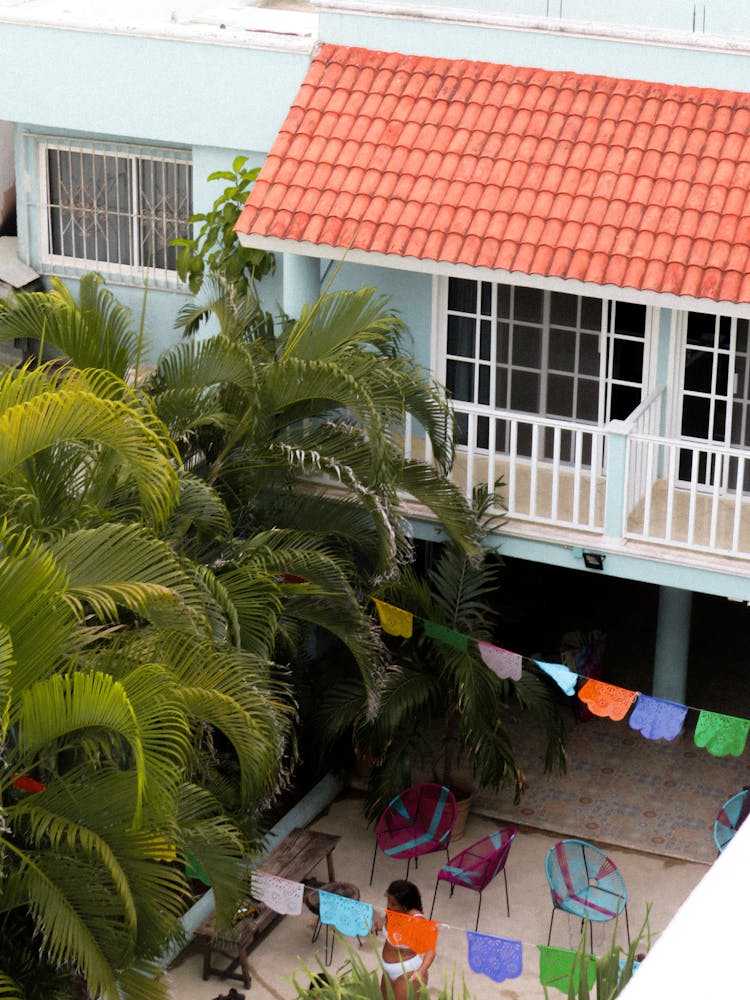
pixel 662 882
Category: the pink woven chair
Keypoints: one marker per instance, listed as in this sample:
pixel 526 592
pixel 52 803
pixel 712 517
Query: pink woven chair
pixel 417 821
pixel 477 865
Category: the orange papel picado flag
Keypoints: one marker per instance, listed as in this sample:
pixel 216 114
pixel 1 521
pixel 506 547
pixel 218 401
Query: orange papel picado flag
pixel 408 931
pixel 606 700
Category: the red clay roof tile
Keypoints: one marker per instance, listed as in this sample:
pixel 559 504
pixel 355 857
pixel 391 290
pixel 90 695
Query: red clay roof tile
pixel 585 177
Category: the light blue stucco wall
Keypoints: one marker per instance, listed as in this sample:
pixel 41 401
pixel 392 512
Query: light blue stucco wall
pixel 697 17
pixel 549 48
pixel 150 89
pixel 409 294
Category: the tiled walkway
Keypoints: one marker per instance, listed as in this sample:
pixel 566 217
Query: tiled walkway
pixel 625 790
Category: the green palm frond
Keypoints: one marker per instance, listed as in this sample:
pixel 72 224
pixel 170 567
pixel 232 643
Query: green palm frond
pixel 53 709
pixel 142 981
pixel 95 333
pixel 74 920
pixel 206 363
pixel 200 508
pixel 446 502
pixel 32 608
pixel 9 988
pixel 54 417
pixel 344 321
pixel 119 566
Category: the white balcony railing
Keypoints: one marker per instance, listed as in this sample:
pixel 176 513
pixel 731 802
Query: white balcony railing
pixel 625 481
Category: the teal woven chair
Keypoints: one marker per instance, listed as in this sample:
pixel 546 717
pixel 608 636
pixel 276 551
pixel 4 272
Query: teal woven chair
pixel 729 818
pixel 585 882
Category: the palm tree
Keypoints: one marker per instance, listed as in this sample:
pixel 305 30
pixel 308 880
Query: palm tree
pixel 438 703
pixel 116 670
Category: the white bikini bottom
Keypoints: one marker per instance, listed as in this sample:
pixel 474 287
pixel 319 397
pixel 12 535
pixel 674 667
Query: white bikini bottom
pixel 395 969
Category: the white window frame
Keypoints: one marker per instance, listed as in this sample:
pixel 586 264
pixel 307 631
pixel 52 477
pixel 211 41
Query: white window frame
pixel 168 224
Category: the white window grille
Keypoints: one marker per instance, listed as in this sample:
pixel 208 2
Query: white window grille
pixel 114 208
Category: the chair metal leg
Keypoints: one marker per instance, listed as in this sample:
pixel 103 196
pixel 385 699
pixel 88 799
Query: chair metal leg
pixel 434 896
pixel 552 917
pixel 507 900
pixel 374 855
pixel 316 931
pixel 408 864
pixel 479 907
pixel 627 924
pixel 330 936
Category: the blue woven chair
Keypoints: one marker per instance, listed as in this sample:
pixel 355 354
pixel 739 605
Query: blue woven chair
pixel 477 865
pixel 729 818
pixel 417 821
pixel 585 882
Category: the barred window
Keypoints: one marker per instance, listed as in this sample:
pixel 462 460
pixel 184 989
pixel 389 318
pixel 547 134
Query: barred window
pixel 115 208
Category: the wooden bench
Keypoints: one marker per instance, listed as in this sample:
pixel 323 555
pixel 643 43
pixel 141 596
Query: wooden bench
pixel 295 858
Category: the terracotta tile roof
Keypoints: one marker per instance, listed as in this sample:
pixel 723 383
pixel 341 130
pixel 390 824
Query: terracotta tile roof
pixel 602 180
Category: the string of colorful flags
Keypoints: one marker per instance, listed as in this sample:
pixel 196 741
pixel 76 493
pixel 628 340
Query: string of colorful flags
pixel 655 718
pixel 498 958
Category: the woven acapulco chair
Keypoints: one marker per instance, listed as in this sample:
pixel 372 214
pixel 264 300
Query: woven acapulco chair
pixel 729 818
pixel 477 865
pixel 417 821
pixel 585 882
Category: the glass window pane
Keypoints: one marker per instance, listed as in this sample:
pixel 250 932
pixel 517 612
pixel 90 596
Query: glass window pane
pixel 627 360
pixel 527 346
pixel 503 339
pixel 591 314
pixel 720 421
pixel 563 309
pixel 486 298
pixel 560 396
pixel 461 336
pixel 528 305
pixel 501 387
pixel 502 435
pixel 524 392
pixel 483 432
pixel 462 295
pixel 587 403
pixel 462 428
pixel 164 188
pixel 695 412
pixel 698 370
pixel 623 401
pixel 484 385
pixel 742 339
pixel 503 301
pixel 562 350
pixel 460 381
pixel 588 350
pixel 485 339
pixel 701 328
pixel 630 318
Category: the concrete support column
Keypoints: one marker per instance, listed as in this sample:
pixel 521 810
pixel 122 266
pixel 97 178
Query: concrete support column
pixel 672 644
pixel 301 283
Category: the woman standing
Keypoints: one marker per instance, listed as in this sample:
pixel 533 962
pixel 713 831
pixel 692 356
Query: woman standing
pixel 401 964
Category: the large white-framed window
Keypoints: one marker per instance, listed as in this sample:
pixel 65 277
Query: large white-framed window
pixel 713 401
pixel 113 207
pixel 554 354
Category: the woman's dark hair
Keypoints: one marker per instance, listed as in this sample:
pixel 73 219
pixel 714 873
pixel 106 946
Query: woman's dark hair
pixel 406 893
